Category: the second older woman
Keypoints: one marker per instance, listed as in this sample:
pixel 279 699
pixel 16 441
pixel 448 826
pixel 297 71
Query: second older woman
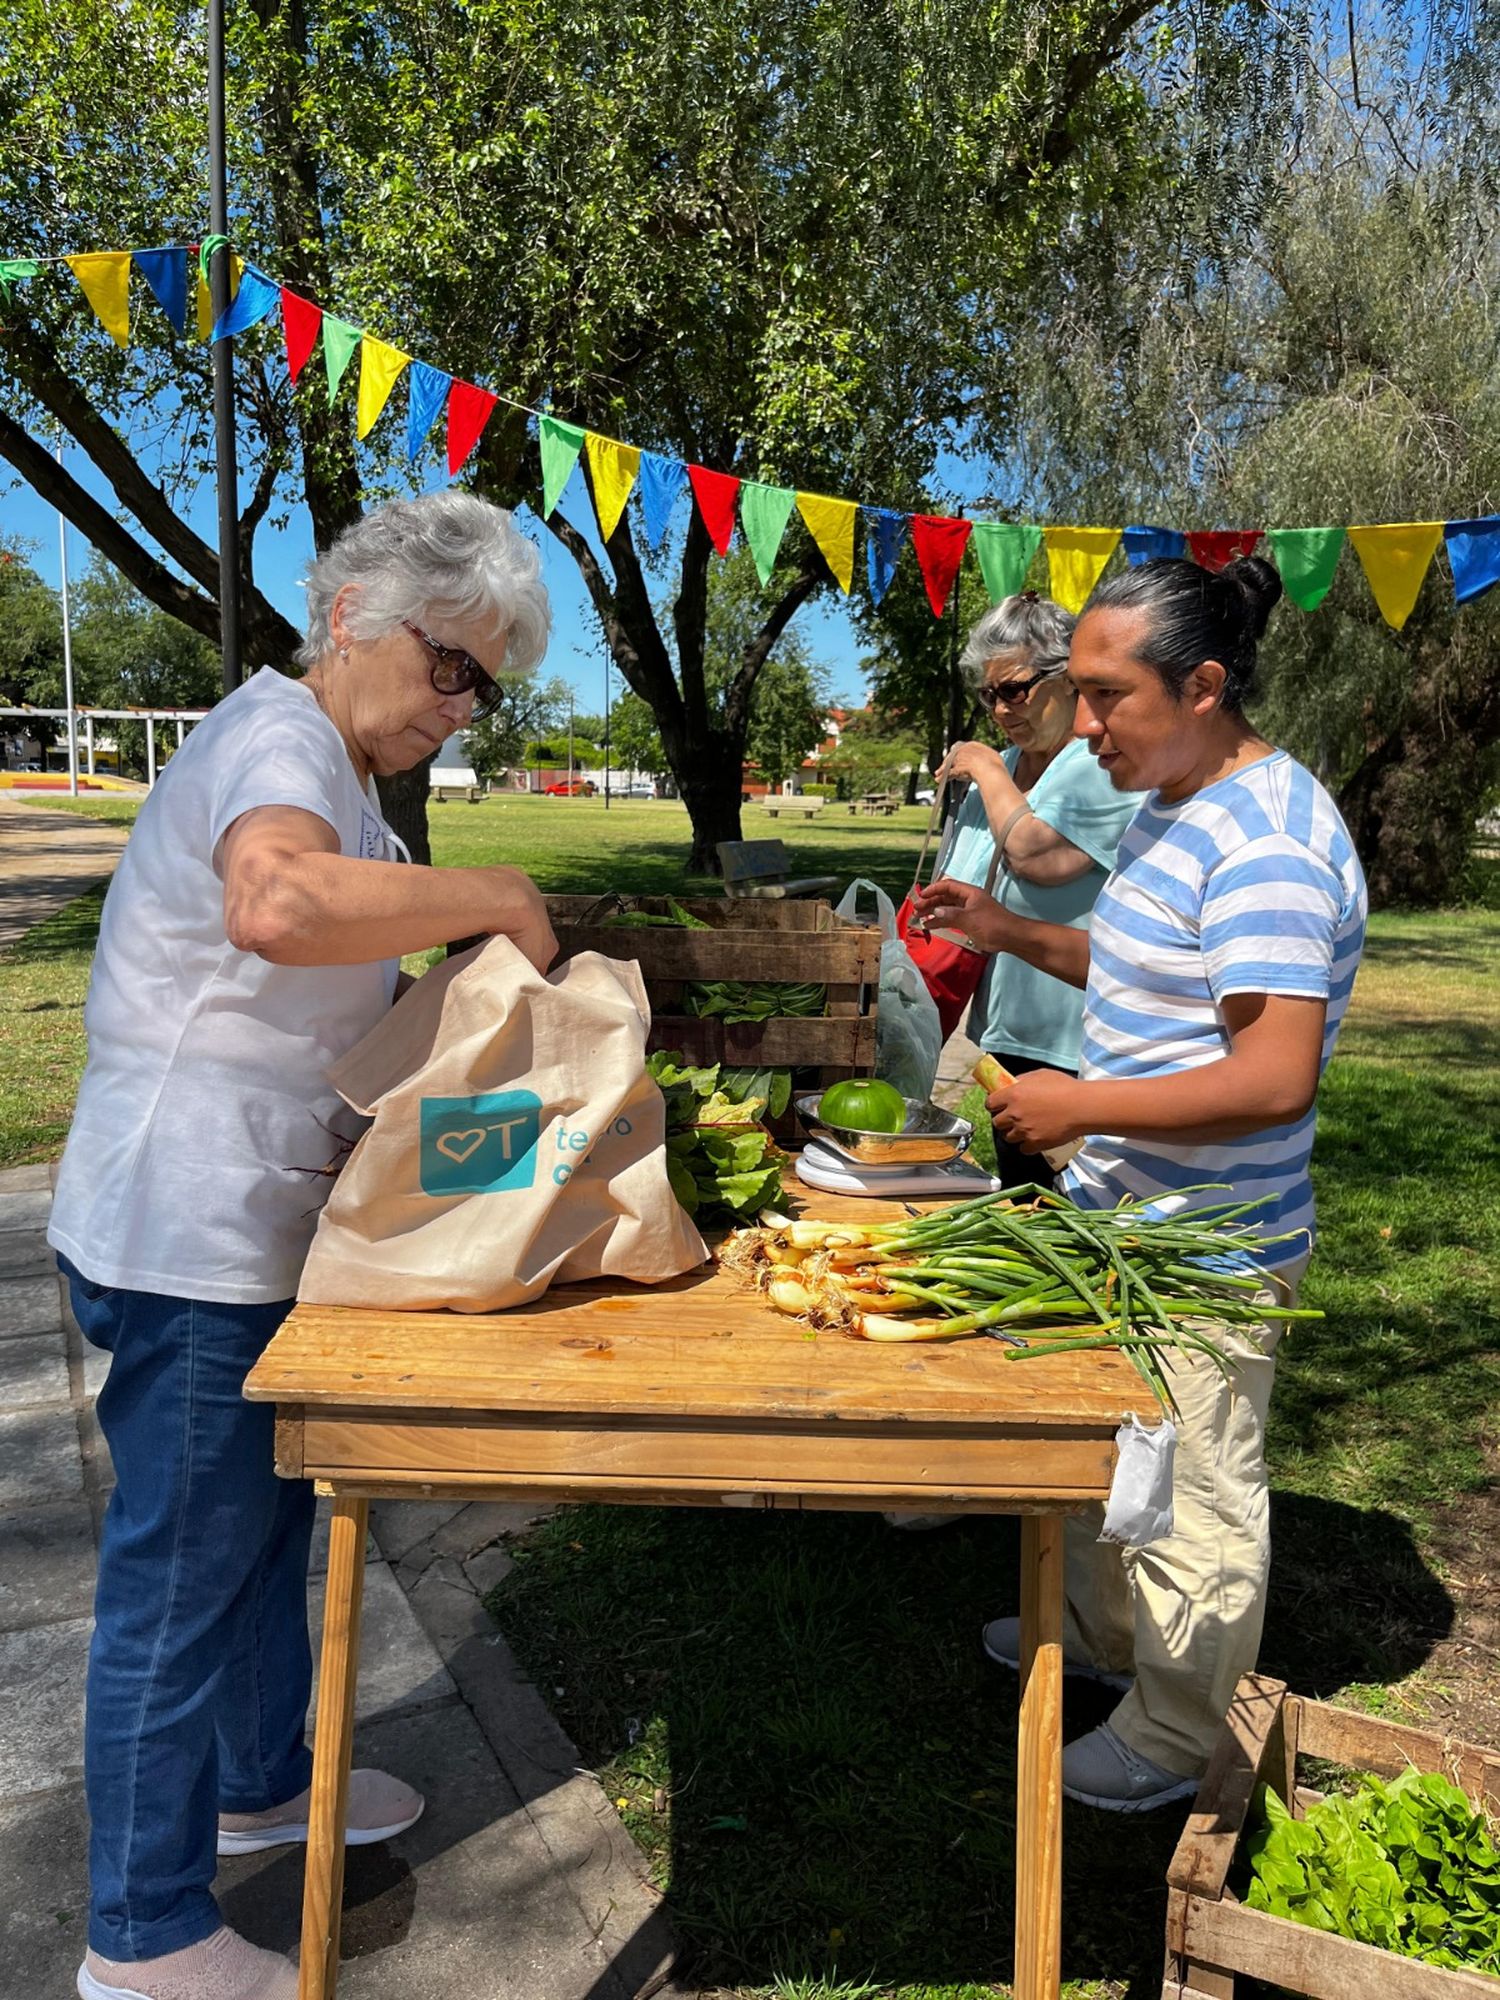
pixel 1056 821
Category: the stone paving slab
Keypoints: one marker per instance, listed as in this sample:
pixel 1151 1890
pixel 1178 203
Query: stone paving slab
pixel 399 1667
pixel 30 1305
pixel 25 1253
pixel 21 1180
pixel 33 1370
pixel 46 1565
pixel 26 1208
pixel 42 1673
pixel 44 1843
pixel 39 1457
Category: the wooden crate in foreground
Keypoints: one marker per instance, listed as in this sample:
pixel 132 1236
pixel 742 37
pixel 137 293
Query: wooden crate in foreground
pixel 752 940
pixel 1212 1936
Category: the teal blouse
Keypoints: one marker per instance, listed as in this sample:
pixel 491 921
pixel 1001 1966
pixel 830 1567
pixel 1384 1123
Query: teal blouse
pixel 1018 1010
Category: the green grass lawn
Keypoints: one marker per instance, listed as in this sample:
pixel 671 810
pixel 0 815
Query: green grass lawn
pixel 792 1710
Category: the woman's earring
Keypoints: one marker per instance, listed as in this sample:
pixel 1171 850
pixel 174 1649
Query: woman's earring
pixel 343 652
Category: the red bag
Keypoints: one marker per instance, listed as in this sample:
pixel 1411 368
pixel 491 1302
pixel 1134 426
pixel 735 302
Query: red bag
pixel 951 969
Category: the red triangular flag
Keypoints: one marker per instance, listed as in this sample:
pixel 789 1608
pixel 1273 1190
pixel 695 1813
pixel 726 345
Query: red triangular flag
pixel 300 321
pixel 1212 548
pixel 938 542
pixel 469 409
pixel 715 493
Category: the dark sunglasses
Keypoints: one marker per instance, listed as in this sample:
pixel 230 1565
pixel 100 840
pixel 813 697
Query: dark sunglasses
pixel 1010 692
pixel 454 671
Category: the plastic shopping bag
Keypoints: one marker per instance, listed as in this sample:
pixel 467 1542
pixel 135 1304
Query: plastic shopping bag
pixel 908 1032
pixel 517 1142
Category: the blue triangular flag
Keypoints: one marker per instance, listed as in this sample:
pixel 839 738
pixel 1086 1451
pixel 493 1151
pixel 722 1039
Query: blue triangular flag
pixel 1142 544
pixel 1473 556
pixel 255 299
pixel 166 272
pixel 658 482
pixel 427 391
pixel 883 549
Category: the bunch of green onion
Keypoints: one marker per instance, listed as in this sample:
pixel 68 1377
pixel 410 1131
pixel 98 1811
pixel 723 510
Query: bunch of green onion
pixel 1028 1268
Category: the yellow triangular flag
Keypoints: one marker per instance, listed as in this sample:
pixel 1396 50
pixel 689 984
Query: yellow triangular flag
pixel 613 467
pixel 1396 559
pixel 205 303
pixel 379 366
pixel 105 278
pixel 1075 562
pixel 831 525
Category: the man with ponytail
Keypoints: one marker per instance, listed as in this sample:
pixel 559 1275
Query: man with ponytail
pixel 1217 969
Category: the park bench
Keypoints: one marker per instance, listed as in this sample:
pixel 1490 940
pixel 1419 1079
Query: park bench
pixel 457 788
pixel 764 868
pixel 781 803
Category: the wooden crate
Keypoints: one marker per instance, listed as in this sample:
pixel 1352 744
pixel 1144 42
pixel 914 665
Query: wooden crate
pixel 1212 1935
pixel 748 939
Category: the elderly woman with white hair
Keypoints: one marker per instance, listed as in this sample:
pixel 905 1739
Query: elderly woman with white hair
pixel 1050 815
pixel 252 935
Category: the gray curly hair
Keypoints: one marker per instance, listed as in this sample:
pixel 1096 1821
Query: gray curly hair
pixel 1033 627
pixel 448 552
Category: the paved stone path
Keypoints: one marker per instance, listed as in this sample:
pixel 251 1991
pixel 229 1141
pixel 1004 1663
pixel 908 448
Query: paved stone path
pixel 48 858
pixel 518 1883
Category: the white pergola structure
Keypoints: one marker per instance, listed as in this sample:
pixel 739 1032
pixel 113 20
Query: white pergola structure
pixel 180 717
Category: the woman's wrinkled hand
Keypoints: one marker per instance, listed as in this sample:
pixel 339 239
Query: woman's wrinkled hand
pixel 962 906
pixel 519 912
pixel 1041 1109
pixel 971 760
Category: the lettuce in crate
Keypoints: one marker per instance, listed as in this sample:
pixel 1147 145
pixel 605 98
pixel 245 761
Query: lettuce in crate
pixel 721 1161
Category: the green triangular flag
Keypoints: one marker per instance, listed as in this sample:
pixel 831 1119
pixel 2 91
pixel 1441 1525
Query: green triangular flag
pixel 1005 549
pixel 561 444
pixel 12 268
pixel 1307 558
pixel 339 342
pixel 764 513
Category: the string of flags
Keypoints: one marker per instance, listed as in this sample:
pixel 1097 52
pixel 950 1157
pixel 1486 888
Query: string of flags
pixel 1395 556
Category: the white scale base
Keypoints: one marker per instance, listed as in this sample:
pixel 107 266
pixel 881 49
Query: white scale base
pixel 819 1167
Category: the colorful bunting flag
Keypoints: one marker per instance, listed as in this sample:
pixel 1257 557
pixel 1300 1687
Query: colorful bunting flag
pixel 1215 548
pixel 831 525
pixel 339 342
pixel 1146 544
pixel 1075 562
pixel 938 542
pixel 715 493
pixel 1396 556
pixel 561 444
pixel 105 278
pixel 469 409
pixel 1005 550
pixel 165 271
pixel 613 467
pixel 426 392
pixel 379 370
pixel 256 298
pixel 660 482
pixel 300 321
pixel 883 547
pixel 203 299
pixel 1306 558
pixel 1473 556
pixel 13 268
pixel 764 513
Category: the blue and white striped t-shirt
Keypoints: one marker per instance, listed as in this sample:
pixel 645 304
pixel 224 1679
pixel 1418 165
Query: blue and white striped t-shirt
pixel 1249 886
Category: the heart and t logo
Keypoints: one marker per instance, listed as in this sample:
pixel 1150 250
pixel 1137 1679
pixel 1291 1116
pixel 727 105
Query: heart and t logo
pixel 459 1145
pixel 479 1145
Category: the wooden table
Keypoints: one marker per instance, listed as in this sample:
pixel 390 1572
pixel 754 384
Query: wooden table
pixel 695 1394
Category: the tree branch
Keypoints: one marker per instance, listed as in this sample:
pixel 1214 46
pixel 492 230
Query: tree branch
pixel 737 701
pixel 690 619
pixel 650 679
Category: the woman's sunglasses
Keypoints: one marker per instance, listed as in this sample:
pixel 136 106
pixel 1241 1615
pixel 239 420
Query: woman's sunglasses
pixel 1009 693
pixel 454 671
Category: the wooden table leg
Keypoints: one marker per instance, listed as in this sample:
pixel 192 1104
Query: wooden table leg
pixel 333 1742
pixel 1039 1762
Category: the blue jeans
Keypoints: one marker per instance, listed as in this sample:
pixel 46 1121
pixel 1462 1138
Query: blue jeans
pixel 200 1668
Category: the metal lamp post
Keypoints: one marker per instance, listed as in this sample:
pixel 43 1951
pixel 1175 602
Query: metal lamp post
pixel 223 361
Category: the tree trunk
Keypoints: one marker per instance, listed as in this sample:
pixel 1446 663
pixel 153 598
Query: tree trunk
pixel 403 800
pixel 708 779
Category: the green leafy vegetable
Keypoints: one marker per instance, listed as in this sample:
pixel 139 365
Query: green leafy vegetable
pixel 752 999
pixel 1409 1865
pixel 773 1086
pixel 720 1160
pixel 677 918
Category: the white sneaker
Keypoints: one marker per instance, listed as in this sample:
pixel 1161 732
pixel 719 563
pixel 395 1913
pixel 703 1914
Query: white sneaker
pixel 918 1524
pixel 1102 1770
pixel 379 1807
pixel 223 1967
pixel 1002 1641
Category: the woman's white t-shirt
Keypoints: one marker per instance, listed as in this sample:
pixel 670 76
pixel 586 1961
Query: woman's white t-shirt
pixel 205 1110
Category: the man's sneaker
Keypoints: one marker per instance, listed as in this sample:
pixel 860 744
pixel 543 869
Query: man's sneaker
pixel 379 1806
pixel 223 1967
pixel 1102 1770
pixel 1002 1641
pixel 918 1524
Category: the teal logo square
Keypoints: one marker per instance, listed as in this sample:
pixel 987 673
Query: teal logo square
pixel 480 1145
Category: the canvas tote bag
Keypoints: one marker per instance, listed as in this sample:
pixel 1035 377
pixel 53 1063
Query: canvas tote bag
pixel 517 1142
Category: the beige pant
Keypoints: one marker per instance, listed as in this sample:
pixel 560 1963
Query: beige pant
pixel 1185 1614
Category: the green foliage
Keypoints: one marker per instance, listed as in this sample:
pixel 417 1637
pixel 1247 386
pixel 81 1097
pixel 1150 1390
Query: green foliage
pixel 720 1160
pixel 1408 1865
pixel 30 629
pixel 752 999
pixel 528 708
pixel 635 740
pixel 872 756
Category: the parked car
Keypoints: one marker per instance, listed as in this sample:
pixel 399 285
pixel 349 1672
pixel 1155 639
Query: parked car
pixel 638 791
pixel 925 796
pixel 580 788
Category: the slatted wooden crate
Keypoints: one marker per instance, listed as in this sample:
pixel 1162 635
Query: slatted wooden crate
pixel 786 941
pixel 1212 1935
